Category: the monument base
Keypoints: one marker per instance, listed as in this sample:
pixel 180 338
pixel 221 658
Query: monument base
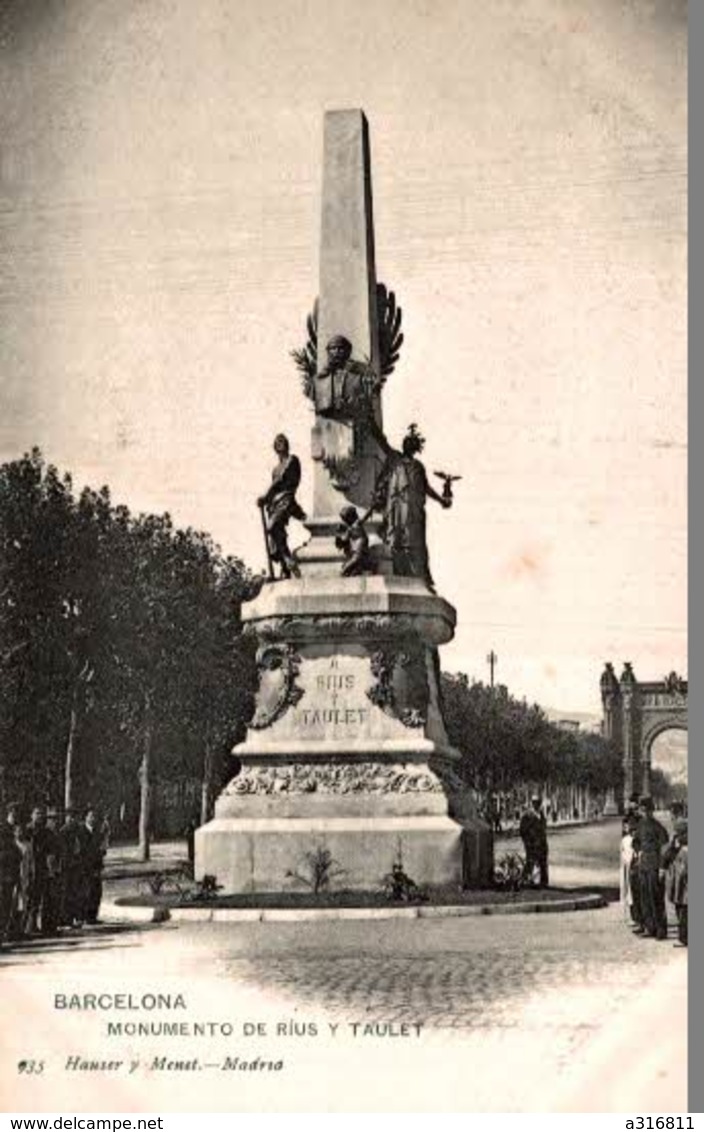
pixel 271 823
pixel 260 854
pixel 611 806
pixel 347 752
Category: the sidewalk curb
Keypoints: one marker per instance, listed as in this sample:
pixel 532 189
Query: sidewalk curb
pixel 143 915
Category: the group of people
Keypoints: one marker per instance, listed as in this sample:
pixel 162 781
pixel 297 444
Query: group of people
pixel 50 871
pixel 654 867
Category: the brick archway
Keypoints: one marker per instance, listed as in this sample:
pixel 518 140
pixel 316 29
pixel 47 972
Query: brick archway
pixel 635 713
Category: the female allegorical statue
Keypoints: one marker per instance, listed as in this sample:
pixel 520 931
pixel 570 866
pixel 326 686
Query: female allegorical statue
pixel 401 491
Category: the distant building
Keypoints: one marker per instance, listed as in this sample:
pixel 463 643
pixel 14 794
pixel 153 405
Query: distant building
pixel 568 724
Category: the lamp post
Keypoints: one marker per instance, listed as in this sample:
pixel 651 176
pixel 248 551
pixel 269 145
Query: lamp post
pixel 491 660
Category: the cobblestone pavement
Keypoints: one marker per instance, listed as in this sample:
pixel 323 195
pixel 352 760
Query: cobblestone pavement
pixel 533 998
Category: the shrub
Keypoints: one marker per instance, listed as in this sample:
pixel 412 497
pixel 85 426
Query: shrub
pixel 320 869
pixel 509 872
pixel 399 887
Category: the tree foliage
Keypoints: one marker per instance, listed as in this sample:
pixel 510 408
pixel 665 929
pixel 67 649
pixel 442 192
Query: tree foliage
pixel 505 742
pixel 120 641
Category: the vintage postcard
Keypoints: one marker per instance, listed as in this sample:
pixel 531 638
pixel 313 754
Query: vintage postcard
pixel 343 585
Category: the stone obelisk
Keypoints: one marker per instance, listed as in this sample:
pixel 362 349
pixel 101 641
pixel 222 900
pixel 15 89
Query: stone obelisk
pixel 347 305
pixel 347 750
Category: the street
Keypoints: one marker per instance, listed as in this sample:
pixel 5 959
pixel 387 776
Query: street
pixel 562 1012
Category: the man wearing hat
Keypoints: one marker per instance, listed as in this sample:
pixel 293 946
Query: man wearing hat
pixel 35 871
pixel 652 839
pixel 534 834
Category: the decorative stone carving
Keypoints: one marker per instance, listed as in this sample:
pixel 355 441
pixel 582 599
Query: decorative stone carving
pixel 278 666
pixel 677 687
pixel 335 778
pixel 379 626
pixel 389 317
pixel 400 685
pixel 608 683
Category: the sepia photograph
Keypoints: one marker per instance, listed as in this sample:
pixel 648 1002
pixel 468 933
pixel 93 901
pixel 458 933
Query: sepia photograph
pixel 343 556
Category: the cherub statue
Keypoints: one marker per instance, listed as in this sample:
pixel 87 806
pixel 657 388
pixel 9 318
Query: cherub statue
pixel 353 540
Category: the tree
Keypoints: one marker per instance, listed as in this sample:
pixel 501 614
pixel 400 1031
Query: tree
pixel 36 527
pixel 508 745
pixel 121 651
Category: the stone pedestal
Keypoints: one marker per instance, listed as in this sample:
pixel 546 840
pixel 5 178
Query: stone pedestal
pixel 347 750
pixel 611 808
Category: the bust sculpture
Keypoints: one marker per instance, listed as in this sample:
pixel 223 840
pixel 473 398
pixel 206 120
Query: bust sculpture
pixel 344 389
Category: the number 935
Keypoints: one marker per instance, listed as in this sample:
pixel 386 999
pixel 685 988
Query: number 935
pixel 35 1067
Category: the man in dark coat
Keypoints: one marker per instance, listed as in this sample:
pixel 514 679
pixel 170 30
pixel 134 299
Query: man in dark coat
pixel 634 877
pixel 93 856
pixel 35 871
pixel 533 831
pixel 52 904
pixel 10 863
pixel 74 886
pixel 676 863
pixel 652 839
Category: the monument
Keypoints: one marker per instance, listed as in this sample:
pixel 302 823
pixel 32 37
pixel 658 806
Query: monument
pixel 635 713
pixel 347 749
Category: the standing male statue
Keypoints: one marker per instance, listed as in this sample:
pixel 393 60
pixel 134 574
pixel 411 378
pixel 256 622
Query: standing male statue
pixel 279 505
pixel 401 491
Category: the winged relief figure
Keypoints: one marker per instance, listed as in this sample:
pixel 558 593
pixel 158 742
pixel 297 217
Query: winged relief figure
pixel 343 386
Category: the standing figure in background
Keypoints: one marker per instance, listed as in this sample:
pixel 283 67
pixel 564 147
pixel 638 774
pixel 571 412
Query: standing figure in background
pixel 627 855
pixel 191 840
pixel 534 834
pixel 652 837
pixel 401 491
pixel 10 864
pixel 35 843
pixel 72 838
pixel 676 864
pixel 634 878
pixel 53 898
pixel 279 505
pixel 93 856
pixel 105 831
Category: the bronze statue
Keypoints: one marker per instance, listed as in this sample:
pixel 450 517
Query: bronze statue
pixel 344 389
pixel 389 318
pixel 401 491
pixel 353 541
pixel 279 505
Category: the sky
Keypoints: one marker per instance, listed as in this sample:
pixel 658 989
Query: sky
pixel 160 186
